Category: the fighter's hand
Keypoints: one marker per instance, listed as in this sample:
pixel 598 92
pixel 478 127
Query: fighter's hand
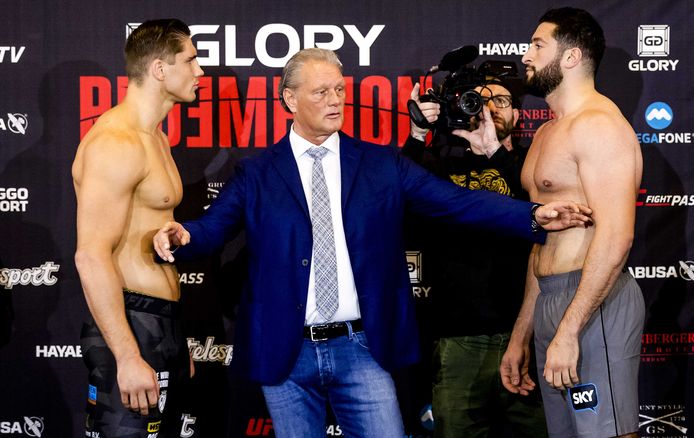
pixel 562 359
pixel 514 369
pixel 559 215
pixel 171 234
pixel 137 381
pixel 430 110
pixel 483 140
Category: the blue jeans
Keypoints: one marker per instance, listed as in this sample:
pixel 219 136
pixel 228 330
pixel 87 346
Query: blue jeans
pixel 343 372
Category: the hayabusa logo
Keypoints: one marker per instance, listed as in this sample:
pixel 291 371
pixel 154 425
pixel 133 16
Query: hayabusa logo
pixel 659 115
pixel 503 48
pixel 33 426
pixel 687 270
pixel 16 123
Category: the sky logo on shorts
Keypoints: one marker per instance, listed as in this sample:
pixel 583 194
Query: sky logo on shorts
pixel 659 115
pixel 92 395
pixel 584 397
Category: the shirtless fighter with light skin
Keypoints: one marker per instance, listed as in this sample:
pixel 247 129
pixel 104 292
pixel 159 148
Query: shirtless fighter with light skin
pixel 589 153
pixel 127 185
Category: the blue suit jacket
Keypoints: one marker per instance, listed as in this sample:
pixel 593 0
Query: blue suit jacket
pixel 266 198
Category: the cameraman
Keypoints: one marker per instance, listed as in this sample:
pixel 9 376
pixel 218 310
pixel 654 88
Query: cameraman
pixel 477 278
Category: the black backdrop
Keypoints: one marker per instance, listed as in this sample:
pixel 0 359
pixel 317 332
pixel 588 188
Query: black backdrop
pixel 61 67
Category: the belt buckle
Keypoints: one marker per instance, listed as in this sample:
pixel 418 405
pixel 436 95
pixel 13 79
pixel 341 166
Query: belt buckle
pixel 313 335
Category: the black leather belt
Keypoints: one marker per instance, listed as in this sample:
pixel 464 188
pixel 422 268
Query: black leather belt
pixel 321 332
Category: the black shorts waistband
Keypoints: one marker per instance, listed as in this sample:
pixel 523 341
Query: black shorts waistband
pixel 330 330
pixel 146 303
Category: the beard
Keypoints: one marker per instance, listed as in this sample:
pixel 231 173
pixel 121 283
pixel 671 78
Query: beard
pixel 503 127
pixel 545 80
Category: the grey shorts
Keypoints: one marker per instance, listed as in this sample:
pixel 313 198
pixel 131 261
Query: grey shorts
pixel 605 402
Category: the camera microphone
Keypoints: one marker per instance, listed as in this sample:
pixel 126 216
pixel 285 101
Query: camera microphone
pixel 456 58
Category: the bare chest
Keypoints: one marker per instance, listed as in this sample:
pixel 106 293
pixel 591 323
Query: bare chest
pixel 161 188
pixel 550 167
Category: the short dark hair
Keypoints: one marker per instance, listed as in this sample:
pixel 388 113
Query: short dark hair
pixel 153 39
pixel 577 28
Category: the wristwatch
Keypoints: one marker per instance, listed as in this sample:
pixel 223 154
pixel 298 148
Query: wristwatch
pixel 534 225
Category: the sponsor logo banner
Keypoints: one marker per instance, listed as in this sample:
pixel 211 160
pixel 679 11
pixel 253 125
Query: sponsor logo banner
pixel 38 276
pixel 653 41
pixel 662 421
pixel 14 199
pixel 59 351
pixel 11 54
pixel 659 347
pixel 16 123
pixel 684 270
pixel 209 352
pixel 27 426
pixel 502 48
pixel 187 422
pixel 659 115
pixel 663 200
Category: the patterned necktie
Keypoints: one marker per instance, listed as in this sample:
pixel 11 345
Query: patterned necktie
pixel 324 262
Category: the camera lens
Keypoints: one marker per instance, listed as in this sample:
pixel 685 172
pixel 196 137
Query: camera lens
pixel 470 103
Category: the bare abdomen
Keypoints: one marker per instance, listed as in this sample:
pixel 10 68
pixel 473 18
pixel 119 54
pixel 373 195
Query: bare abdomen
pixel 564 251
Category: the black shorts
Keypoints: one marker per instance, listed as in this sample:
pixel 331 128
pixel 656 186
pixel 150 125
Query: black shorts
pixel 156 325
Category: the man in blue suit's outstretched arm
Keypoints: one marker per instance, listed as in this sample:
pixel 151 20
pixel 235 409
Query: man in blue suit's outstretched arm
pixel 327 310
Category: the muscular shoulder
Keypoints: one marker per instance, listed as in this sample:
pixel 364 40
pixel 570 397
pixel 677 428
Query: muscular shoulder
pixel 600 129
pixel 112 154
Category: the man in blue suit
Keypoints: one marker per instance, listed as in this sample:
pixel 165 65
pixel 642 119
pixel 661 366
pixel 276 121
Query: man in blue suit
pixel 326 311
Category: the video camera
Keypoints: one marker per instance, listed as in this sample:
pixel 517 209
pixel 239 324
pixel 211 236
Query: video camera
pixel 456 95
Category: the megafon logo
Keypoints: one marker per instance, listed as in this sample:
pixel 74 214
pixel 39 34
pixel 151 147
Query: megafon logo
pixel 653 41
pixel 659 115
pixel 14 122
